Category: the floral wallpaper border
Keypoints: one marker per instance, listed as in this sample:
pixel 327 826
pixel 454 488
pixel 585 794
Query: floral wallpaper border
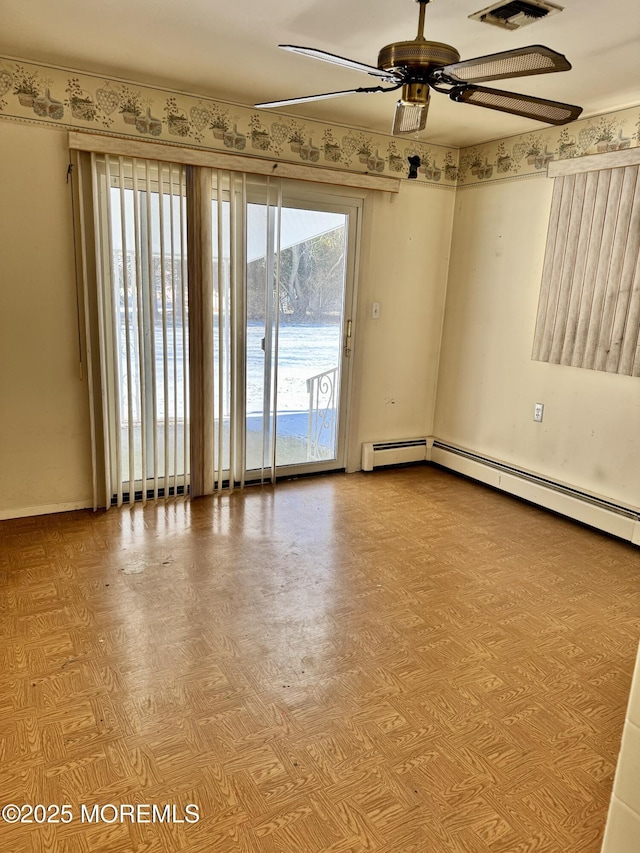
pixel 531 153
pixel 82 101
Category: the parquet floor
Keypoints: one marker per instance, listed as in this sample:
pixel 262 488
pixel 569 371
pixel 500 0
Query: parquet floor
pixel 393 662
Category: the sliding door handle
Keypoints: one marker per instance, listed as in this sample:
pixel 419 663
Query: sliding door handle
pixel 347 342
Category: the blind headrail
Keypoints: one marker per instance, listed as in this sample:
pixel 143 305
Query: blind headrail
pixel 594 162
pixel 119 146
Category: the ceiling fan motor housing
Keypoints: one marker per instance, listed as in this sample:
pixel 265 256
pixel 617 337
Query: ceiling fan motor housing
pixel 417 55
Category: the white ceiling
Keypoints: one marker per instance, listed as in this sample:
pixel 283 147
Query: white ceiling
pixel 229 51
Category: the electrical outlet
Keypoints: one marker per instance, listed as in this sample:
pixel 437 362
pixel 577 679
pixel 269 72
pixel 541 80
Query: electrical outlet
pixel 538 412
pixel 375 311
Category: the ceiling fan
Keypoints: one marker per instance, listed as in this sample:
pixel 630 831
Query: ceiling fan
pixel 419 65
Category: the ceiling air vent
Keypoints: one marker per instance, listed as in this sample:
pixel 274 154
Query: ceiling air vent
pixel 516 14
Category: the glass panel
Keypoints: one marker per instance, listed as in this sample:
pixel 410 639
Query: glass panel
pixel 293 360
pixel 311 299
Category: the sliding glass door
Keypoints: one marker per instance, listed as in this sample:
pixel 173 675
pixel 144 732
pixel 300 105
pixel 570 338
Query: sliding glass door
pixel 259 340
pixel 300 267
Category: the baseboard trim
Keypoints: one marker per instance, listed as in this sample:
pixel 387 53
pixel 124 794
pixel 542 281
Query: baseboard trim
pixel 590 509
pixel 44 509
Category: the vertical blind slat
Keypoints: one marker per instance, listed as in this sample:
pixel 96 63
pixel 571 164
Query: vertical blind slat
pixel 87 332
pixel 233 328
pixel 151 301
pixel 127 288
pixel 113 345
pixel 183 315
pixel 221 311
pixel 242 382
pixel 141 333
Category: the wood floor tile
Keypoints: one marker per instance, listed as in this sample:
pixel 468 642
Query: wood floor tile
pixel 392 662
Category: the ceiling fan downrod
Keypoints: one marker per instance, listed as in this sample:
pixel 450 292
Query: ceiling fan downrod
pixel 423 9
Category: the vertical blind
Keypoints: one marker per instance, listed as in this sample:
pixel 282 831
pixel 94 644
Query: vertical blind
pixel 139 218
pixel 589 307
pixel 170 323
pixel 219 215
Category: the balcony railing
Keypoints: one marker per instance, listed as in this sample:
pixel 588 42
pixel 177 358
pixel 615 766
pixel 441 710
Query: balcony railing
pixel 322 423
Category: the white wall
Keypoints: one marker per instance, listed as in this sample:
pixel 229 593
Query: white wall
pixel 45 457
pixel 488 384
pixel 404 261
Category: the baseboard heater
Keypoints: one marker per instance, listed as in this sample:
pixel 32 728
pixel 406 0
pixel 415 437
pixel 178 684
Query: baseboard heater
pixel 616 519
pixel 378 453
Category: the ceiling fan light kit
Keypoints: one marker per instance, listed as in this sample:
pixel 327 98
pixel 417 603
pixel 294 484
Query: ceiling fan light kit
pixel 419 65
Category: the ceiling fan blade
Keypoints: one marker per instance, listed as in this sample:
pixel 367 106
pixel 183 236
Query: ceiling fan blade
pixel 409 118
pixel 339 60
pixel 521 62
pixel 307 98
pixel 551 112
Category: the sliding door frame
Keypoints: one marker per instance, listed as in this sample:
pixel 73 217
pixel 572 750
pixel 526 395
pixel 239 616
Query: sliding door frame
pixel 298 194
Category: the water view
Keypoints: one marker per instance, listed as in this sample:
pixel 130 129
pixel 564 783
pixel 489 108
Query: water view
pixel 303 352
